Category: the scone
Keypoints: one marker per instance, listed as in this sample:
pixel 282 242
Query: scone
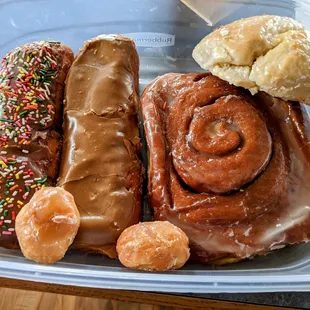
pixel 266 53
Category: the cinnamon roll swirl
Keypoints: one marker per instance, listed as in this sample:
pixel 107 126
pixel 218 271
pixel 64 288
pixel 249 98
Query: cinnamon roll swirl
pixel 229 169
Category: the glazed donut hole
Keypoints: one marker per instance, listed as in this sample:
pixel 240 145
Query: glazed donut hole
pixel 47 225
pixel 153 246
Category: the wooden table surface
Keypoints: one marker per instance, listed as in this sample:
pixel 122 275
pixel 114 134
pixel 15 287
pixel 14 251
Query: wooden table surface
pixel 174 301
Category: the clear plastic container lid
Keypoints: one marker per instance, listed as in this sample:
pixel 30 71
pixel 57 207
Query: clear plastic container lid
pixel 165 33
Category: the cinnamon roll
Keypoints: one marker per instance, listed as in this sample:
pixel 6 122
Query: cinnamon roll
pixel 231 170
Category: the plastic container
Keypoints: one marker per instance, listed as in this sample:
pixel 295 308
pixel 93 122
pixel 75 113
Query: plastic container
pixel 165 33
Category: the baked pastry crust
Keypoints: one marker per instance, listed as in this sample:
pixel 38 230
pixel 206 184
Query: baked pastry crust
pixel 266 53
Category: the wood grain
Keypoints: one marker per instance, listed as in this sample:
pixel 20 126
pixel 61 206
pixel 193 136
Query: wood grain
pixel 28 300
pixel 156 299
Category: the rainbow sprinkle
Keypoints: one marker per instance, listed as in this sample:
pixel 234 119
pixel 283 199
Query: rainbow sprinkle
pixel 18 183
pixel 26 107
pixel 26 76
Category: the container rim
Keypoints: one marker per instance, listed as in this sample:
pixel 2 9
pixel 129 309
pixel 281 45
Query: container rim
pixel 167 282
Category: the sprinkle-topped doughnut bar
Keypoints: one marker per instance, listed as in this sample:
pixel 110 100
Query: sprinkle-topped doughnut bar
pixel 31 95
pixel 26 77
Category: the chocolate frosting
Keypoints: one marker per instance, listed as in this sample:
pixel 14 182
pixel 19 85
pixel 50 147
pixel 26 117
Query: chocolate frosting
pixel 231 170
pixel 32 81
pixel 100 166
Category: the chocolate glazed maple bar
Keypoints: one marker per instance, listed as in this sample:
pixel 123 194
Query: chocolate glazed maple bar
pixel 100 164
pixel 32 81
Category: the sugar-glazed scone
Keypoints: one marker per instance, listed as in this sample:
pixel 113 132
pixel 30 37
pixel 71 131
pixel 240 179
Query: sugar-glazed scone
pixel 267 53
